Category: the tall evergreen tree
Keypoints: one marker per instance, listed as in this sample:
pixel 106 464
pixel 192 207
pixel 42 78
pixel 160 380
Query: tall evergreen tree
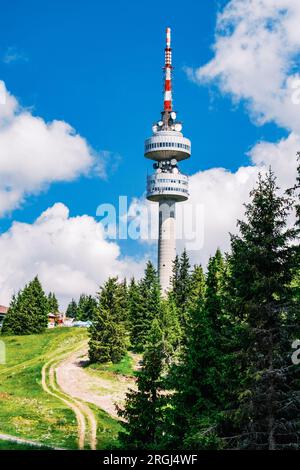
pixel 170 326
pixel 200 377
pixel 143 411
pixel 72 310
pixel 295 192
pixel 262 265
pixel 197 287
pixel 53 303
pixel 181 285
pixel 86 307
pixel 28 311
pixel 108 336
pixel 297 189
pixel 124 292
pixel 144 306
pixel 136 316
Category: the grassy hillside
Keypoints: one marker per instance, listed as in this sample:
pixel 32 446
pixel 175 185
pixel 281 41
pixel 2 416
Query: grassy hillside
pixel 7 445
pixel 27 411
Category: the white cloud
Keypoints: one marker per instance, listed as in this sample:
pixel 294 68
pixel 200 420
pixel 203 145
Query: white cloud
pixel 221 195
pixel 34 153
pixel 256 53
pixel 70 255
pixel 257 45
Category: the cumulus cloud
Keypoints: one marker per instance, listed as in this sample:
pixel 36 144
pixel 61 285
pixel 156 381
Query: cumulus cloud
pixel 257 44
pixel 256 48
pixel 34 153
pixel 70 255
pixel 217 198
pixel 256 52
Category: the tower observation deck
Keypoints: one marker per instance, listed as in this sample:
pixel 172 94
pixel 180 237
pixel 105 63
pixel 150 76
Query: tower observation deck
pixel 167 185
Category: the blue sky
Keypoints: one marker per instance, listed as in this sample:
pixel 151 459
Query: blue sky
pixel 98 66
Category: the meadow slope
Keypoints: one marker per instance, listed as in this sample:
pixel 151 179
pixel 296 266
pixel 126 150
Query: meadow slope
pixel 35 406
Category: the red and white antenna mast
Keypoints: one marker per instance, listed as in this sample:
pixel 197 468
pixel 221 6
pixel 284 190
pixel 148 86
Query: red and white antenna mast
pixel 167 185
pixel 168 73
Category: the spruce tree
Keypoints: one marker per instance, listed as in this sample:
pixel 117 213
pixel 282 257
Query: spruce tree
pixel 53 303
pixel 262 266
pixel 28 311
pixel 124 292
pixel 143 411
pixel 72 310
pixel 108 336
pixel 170 326
pixel 200 378
pixel 144 306
pixel 136 316
pixel 175 275
pixel 295 193
pixel 86 307
pixel 197 287
pixel 181 286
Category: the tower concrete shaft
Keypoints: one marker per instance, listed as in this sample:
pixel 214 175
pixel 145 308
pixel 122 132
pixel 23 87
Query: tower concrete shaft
pixel 167 146
pixel 166 243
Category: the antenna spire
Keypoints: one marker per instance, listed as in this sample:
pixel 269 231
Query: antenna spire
pixel 168 73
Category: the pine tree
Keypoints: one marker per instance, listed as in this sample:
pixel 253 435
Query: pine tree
pixel 124 293
pixel 175 275
pixel 85 308
pixel 181 286
pixel 108 336
pixel 53 303
pixel 28 311
pixel 200 378
pixel 143 411
pixel 297 189
pixel 295 193
pixel 197 288
pixel 144 306
pixel 136 316
pixel 72 310
pixel 170 326
pixel 262 265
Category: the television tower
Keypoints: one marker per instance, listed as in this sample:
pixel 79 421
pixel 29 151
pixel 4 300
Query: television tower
pixel 167 146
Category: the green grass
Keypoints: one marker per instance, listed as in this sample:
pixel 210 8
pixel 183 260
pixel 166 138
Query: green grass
pixel 28 412
pixel 124 367
pixel 107 430
pixel 25 409
pixel 8 445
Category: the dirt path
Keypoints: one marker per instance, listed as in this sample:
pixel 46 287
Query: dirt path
pixel 86 421
pixel 66 379
pixel 47 379
pixel 90 388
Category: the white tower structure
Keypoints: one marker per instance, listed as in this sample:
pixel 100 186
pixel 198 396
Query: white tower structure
pixel 167 146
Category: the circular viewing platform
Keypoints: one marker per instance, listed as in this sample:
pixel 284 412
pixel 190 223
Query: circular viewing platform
pixel 165 145
pixel 167 186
